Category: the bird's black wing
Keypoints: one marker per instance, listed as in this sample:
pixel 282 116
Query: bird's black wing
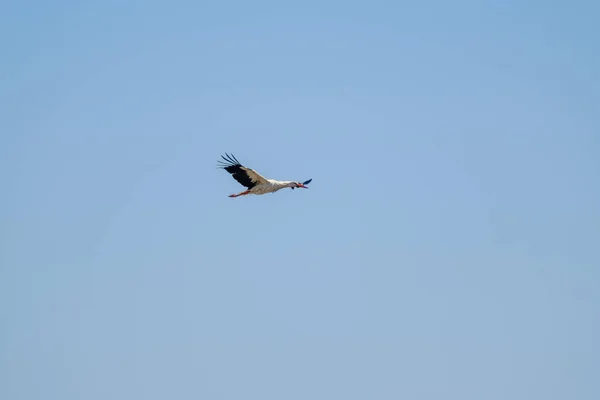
pixel 245 176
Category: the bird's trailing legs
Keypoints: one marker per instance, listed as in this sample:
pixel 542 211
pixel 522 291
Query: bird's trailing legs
pixel 240 194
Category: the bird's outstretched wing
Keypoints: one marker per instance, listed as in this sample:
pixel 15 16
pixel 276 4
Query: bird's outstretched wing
pixel 245 176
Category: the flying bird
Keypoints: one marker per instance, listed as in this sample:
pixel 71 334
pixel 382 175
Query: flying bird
pixel 252 180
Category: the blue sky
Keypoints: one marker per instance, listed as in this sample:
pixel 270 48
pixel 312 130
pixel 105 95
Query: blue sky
pixel 448 246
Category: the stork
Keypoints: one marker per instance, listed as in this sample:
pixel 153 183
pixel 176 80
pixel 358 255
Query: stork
pixel 253 181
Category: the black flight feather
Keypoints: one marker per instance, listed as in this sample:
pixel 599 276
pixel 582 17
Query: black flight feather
pixel 236 169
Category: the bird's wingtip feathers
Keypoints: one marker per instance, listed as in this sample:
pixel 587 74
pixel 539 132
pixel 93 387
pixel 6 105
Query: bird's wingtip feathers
pixel 230 161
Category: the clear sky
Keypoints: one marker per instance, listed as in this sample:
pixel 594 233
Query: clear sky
pixel 448 246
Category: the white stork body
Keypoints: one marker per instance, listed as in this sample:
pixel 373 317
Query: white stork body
pixel 255 182
pixel 271 186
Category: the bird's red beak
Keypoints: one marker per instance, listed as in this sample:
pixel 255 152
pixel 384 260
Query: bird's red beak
pixel 302 186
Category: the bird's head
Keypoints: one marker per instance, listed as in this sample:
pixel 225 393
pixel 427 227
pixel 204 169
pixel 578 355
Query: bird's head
pixel 300 185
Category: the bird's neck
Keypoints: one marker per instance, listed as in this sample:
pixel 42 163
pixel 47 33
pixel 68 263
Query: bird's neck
pixel 283 184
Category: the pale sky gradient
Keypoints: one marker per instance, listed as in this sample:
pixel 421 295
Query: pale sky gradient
pixel 449 246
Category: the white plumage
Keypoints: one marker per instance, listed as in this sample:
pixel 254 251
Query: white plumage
pixel 253 181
